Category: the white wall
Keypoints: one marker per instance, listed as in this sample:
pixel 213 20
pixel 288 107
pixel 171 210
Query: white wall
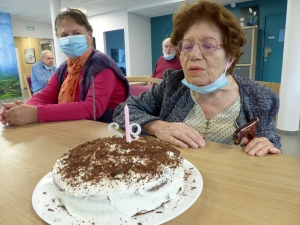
pixel 108 22
pixel 42 30
pixel 137 37
pixel 288 115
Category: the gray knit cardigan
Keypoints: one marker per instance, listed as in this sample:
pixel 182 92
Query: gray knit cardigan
pixel 171 101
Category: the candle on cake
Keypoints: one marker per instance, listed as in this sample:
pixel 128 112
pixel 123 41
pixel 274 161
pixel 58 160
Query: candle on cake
pixel 127 124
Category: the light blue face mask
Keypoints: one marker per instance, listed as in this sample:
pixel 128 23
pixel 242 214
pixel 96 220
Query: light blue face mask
pixel 169 57
pixel 222 81
pixel 74 46
pixel 47 67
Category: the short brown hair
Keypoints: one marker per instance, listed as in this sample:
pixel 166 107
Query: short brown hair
pixel 190 13
pixel 75 14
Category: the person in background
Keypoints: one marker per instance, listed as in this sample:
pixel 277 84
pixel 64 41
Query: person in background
pixel 205 101
pixel 167 61
pixel 70 94
pixel 42 71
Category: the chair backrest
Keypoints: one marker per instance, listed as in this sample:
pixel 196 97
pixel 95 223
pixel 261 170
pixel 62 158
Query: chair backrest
pixel 274 86
pixel 136 90
pixel 144 79
pixel 138 84
pixel 28 83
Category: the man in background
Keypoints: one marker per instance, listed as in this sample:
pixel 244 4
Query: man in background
pixel 42 71
pixel 167 61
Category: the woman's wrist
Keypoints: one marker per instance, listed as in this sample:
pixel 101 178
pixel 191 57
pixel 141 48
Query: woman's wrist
pixel 152 127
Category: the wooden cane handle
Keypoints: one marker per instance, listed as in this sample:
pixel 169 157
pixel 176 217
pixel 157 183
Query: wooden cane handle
pixel 248 130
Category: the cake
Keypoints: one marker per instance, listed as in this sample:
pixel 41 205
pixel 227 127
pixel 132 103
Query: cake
pixel 110 178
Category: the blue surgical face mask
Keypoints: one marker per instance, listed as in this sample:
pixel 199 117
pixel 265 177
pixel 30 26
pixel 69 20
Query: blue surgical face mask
pixel 47 67
pixel 74 46
pixel 222 81
pixel 169 57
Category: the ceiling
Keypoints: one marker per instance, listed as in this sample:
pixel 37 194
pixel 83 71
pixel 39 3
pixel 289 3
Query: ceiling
pixel 39 10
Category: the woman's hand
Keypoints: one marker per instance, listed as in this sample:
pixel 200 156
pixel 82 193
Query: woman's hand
pixel 5 106
pixel 18 113
pixel 259 146
pixel 177 134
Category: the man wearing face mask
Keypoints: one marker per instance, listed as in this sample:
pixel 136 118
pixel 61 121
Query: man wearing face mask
pixel 167 61
pixel 88 85
pixel 42 71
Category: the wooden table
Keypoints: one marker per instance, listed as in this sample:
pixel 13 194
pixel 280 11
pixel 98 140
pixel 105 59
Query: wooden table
pixel 238 189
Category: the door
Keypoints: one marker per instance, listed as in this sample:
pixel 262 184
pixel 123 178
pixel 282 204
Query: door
pixel 115 47
pixel 273 49
pixel 47 45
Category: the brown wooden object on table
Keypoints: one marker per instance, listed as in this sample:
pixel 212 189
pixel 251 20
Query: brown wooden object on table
pixel 248 130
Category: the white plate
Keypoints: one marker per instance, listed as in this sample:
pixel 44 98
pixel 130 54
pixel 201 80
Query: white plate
pixel 52 214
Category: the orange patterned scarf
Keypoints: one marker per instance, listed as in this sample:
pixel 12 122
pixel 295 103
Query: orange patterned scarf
pixel 68 88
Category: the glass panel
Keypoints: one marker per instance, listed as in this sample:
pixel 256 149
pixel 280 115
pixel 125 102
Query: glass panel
pixel 46 46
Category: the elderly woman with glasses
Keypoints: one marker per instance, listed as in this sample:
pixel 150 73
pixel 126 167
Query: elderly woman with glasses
pixel 205 101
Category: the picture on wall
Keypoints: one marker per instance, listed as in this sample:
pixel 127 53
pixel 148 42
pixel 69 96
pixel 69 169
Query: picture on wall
pixel 29 55
pixel 249 16
pixel 9 75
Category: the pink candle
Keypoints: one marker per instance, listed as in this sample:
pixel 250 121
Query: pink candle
pixel 127 124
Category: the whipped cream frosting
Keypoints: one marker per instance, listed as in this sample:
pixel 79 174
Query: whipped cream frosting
pixel 109 177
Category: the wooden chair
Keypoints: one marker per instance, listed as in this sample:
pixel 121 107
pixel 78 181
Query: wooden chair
pixel 138 84
pixel 28 84
pixel 143 79
pixel 274 86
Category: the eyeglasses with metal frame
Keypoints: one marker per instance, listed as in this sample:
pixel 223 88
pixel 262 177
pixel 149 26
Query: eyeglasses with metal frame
pixel 207 46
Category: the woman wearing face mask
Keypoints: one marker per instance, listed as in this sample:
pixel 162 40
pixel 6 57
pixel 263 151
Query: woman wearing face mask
pixel 69 94
pixel 205 101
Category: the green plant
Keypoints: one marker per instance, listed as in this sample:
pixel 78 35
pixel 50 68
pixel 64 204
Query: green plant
pixel 253 14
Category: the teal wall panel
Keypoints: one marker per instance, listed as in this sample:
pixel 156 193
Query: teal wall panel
pixel 160 27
